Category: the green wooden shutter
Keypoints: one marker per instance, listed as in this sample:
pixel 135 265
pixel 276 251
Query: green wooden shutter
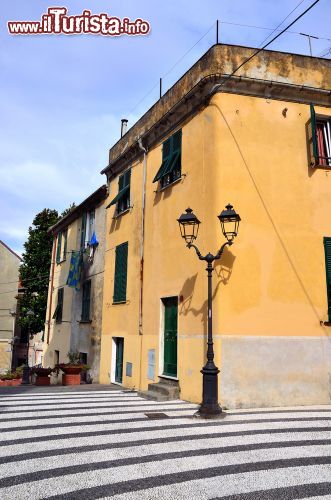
pixel 327 250
pixel 83 231
pixel 176 142
pixel 170 336
pixel 121 266
pixel 314 133
pixel 65 238
pixel 59 305
pixel 166 155
pixel 86 301
pixel 58 248
pixel 120 183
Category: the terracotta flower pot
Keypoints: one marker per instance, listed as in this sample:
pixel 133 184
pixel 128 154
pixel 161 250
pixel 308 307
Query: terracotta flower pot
pixel 71 369
pixel 41 380
pixel 10 383
pixel 71 379
pixel 71 374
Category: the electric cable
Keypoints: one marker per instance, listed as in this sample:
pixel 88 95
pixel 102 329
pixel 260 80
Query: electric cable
pixel 262 48
pixel 275 29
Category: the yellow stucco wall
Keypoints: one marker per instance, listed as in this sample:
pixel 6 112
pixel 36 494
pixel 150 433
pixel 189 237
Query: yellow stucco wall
pixel 251 152
pixel 59 333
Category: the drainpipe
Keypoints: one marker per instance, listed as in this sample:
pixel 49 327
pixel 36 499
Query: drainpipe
pixel 51 290
pixel 142 238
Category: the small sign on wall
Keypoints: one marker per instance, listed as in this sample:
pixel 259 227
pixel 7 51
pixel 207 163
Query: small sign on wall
pixel 128 371
pixel 151 364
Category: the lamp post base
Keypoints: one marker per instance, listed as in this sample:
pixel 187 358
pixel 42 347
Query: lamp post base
pixel 209 407
pixel 26 376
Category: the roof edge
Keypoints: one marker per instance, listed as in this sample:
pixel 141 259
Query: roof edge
pixel 96 197
pixel 10 250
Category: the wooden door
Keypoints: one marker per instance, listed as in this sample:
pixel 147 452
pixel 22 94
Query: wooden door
pixel 170 336
pixel 119 360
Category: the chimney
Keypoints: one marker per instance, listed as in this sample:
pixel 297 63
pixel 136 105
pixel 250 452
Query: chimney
pixel 124 125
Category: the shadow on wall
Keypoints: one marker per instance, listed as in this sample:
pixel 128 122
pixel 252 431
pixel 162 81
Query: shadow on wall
pixel 221 276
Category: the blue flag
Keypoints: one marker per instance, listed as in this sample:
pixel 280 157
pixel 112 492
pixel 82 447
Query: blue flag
pixel 75 270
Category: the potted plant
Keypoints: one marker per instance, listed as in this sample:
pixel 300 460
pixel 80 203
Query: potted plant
pixel 42 375
pixel 73 369
pixel 10 378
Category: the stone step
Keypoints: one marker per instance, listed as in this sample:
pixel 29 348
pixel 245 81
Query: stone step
pixel 163 389
pixel 153 396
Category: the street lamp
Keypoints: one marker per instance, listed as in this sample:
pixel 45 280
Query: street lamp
pixel 26 369
pixel 189 228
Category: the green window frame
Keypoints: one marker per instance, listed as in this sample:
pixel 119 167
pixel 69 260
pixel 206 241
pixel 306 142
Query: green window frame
pixel 65 241
pixel 59 307
pixel 86 301
pixel 58 247
pixel 83 231
pixel 122 199
pixel 321 139
pixel 121 270
pixel 91 224
pixel 171 167
pixel 327 252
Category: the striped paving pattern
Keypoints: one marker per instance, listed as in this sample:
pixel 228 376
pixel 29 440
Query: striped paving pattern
pixel 85 444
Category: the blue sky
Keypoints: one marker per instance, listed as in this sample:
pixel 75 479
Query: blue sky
pixel 62 97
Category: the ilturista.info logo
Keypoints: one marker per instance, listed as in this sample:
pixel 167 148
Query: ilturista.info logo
pixel 57 21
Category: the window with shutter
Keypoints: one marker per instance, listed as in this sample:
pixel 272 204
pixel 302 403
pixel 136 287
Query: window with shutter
pixel 120 278
pixel 170 169
pixel 59 308
pixel 58 248
pixel 83 230
pixel 327 250
pixel 321 139
pixel 86 301
pixel 65 238
pixel 122 199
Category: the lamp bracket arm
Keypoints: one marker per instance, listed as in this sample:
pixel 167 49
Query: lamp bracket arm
pixel 197 251
pixel 221 250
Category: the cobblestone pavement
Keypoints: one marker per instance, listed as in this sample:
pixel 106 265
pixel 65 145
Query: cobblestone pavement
pixel 93 442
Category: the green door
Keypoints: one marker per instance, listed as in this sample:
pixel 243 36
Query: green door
pixel 119 360
pixel 170 336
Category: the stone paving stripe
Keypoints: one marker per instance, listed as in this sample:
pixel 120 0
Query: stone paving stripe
pixel 56 409
pixel 55 403
pixel 95 414
pixel 260 412
pixel 94 463
pixel 121 487
pixel 156 428
pixel 144 419
pixel 168 440
pixel 288 493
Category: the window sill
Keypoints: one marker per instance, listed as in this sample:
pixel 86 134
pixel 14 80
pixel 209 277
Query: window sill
pixel 170 377
pixel 84 321
pixel 170 185
pixel 119 302
pixel 319 165
pixel 326 323
pixel 117 215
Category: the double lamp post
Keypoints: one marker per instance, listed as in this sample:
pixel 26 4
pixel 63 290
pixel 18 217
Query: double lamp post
pixel 189 228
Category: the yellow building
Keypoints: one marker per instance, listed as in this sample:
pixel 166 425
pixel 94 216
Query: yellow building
pixel 74 307
pixel 9 287
pixel 259 139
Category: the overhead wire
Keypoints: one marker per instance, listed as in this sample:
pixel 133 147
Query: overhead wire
pixel 268 29
pixel 226 78
pixel 288 15
pixel 172 67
